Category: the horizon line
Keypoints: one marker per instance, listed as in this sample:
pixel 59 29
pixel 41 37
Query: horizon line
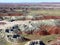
pixel 29 2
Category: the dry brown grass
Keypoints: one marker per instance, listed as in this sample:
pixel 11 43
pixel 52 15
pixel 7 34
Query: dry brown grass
pixel 45 39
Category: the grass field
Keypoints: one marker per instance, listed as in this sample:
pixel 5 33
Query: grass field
pixel 45 12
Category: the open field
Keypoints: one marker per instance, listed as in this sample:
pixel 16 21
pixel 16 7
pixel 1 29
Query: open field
pixel 17 9
pixel 45 12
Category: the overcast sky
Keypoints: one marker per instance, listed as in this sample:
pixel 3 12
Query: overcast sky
pixel 28 1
